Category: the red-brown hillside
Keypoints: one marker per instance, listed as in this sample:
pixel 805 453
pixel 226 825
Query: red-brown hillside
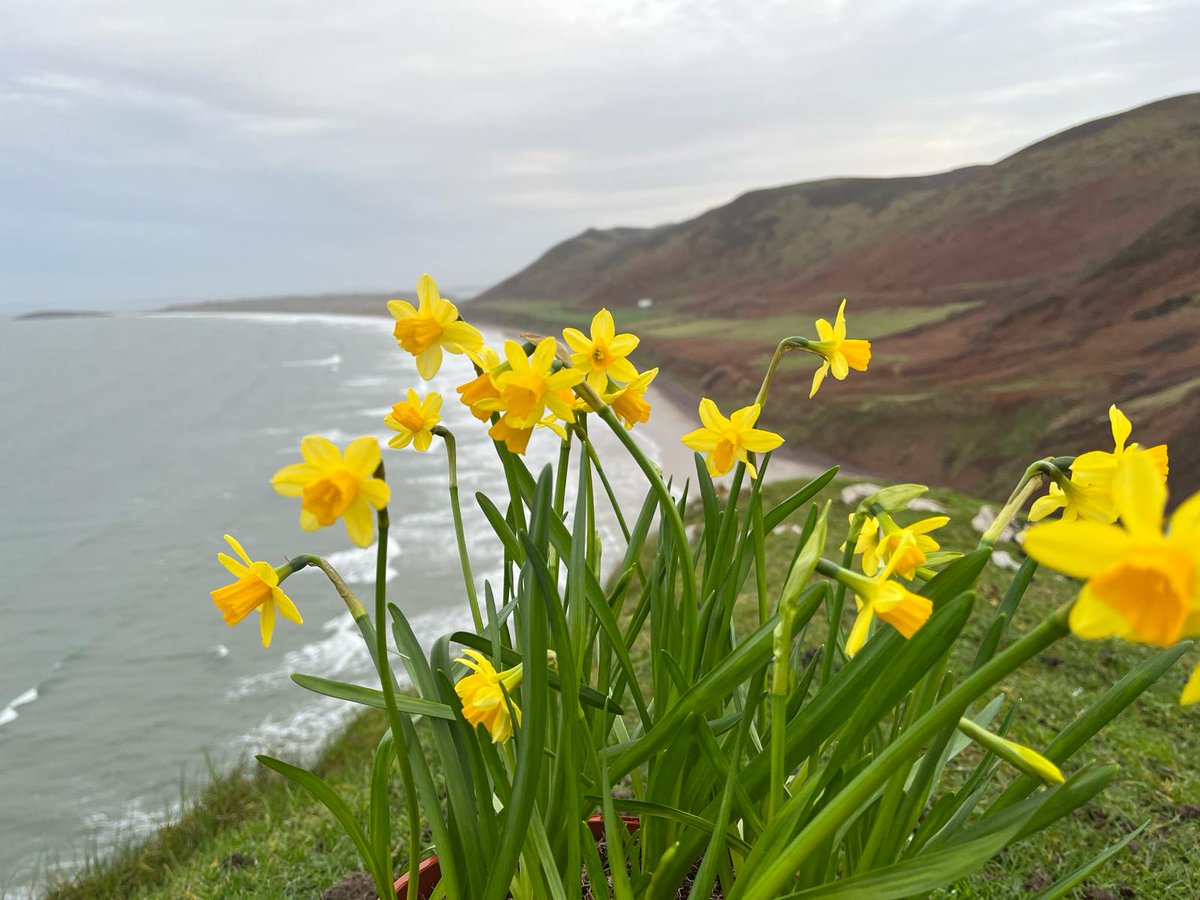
pixel 1010 303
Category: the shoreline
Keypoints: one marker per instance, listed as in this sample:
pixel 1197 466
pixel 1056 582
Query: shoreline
pixel 672 402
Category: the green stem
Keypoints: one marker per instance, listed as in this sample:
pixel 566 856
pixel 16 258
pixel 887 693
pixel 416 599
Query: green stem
pixel 670 513
pixel 456 510
pixel 786 345
pixel 1029 483
pixel 588 446
pixel 775 875
pixel 387 683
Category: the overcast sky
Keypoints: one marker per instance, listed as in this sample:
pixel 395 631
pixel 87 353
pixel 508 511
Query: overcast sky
pixel 155 150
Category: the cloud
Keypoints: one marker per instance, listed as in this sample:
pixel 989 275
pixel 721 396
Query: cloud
pixel 191 149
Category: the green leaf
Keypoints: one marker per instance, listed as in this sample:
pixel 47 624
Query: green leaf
pixel 496 519
pixel 780 512
pixel 914 877
pixel 531 738
pixel 366 696
pixel 379 827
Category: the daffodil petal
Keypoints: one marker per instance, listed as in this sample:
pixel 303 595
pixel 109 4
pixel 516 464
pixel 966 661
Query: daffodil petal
pixel 362 456
pixel 286 607
pixel 1191 690
pixel 1093 620
pixel 320 451
pixel 702 439
pixel 360 522
pixel 1079 549
pixel 375 491
pixel 1140 495
pixel 266 622
pixel 756 440
pixel 711 416
pixel 818 377
pixel 429 361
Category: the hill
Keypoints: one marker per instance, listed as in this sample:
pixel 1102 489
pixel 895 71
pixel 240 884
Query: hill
pixel 1010 303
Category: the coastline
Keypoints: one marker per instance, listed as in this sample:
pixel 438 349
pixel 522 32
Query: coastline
pixel 673 402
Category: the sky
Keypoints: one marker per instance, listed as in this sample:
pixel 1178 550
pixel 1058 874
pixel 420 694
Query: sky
pixel 160 151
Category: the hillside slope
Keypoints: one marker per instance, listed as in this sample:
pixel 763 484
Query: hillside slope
pixel 1010 303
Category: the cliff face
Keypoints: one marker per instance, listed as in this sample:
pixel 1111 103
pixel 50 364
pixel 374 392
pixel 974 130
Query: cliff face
pixel 1010 303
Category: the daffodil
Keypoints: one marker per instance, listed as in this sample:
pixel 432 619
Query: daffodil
pixel 431 327
pixel 530 387
pixel 333 487
pixel 603 354
pixel 487 694
pixel 1088 493
pixel 879 596
pixel 629 402
pixel 1141 583
pixel 483 386
pixel 840 355
pixel 881 539
pixel 415 420
pixel 725 440
pixel 1076 500
pixel 257 587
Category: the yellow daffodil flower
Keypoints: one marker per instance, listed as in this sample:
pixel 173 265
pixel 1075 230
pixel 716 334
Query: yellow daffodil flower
pixel 602 356
pixel 333 487
pixel 881 539
pixel 840 355
pixel 725 440
pixel 529 387
pixel 414 419
pixel 1077 501
pixel 483 386
pixel 257 587
pixel 1141 584
pixel 431 327
pixel 629 402
pixel 1088 494
pixel 889 600
pixel 482 695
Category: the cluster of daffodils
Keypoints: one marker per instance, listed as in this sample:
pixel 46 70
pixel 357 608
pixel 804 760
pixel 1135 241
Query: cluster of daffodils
pixel 780 782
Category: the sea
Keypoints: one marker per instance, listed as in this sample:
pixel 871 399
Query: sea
pixel 129 446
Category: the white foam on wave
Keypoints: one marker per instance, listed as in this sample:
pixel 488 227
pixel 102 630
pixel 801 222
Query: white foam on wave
pixel 9 713
pixel 373 323
pixel 303 731
pixel 365 381
pixel 356 565
pixel 340 437
pixel 328 362
pixel 338 655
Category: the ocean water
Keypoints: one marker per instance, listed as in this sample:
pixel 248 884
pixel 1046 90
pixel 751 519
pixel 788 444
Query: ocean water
pixel 129 446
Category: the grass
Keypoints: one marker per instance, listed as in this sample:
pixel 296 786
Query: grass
pixel 251 834
pixel 662 322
